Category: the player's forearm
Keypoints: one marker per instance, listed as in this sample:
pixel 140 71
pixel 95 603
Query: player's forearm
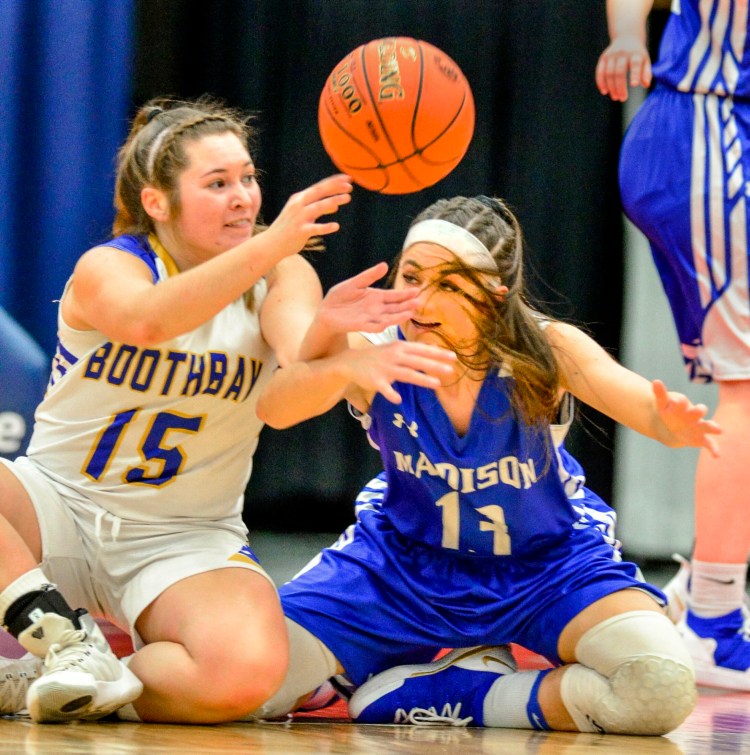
pixel 321 341
pixel 628 18
pixel 302 390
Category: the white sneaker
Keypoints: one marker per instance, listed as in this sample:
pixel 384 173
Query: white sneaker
pixel 676 589
pixel 82 678
pixel 16 676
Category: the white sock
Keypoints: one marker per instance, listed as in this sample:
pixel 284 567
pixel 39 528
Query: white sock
pixel 127 713
pixel 716 589
pixel 507 700
pixel 30 581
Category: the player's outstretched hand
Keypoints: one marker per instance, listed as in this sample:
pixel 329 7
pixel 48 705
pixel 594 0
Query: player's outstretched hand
pixel 684 420
pixel 376 368
pixel 298 220
pixel 353 305
pixel 625 61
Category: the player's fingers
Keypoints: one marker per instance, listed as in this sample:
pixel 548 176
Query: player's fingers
pixel 324 229
pixel 699 410
pixel 646 73
pixel 710 443
pixel 660 394
pixel 426 368
pixel 428 350
pixel 388 391
pixel 620 76
pixel 323 197
pixel 398 295
pixel 332 185
pixel 636 70
pixel 389 308
pixel 714 428
pixel 600 74
pixel 338 182
pixel 328 205
pixel 369 276
pixel 415 377
pixel 609 74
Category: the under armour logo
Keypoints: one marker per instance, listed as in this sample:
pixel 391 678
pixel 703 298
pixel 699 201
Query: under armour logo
pixel 399 421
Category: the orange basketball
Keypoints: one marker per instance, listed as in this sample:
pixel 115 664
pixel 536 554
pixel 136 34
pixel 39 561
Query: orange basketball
pixel 396 114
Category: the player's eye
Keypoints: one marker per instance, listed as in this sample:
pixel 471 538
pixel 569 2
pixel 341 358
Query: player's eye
pixel 448 286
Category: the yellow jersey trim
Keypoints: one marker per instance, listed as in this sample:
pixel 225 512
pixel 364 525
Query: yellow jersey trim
pixel 163 254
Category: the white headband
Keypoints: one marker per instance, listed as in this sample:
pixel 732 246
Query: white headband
pixel 154 150
pixel 465 245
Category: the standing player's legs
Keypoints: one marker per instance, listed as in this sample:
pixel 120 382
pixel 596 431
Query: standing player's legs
pixel 722 518
pixel 716 618
pixel 697 223
pixel 82 677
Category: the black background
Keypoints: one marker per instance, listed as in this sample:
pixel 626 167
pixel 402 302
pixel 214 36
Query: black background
pixel 545 140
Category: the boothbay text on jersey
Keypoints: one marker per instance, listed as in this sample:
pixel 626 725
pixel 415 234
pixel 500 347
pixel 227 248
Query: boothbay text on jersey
pixel 175 372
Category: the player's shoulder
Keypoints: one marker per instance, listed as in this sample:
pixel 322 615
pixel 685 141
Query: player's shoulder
pixel 117 253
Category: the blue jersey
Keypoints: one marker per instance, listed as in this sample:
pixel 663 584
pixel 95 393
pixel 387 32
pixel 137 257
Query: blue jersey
pixel 500 490
pixel 486 538
pixel 684 169
pixel 704 48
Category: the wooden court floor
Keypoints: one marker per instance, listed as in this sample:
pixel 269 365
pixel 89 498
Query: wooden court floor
pixel 719 724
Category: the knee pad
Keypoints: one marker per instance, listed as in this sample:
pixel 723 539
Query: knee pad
pixel 634 676
pixel 311 663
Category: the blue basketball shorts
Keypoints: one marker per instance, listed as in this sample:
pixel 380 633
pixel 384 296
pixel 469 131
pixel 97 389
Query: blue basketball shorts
pixel 684 169
pixel 377 599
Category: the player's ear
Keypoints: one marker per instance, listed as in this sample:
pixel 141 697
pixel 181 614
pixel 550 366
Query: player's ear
pixel 155 203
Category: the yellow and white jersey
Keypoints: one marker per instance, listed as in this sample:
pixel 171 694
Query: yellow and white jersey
pixel 153 434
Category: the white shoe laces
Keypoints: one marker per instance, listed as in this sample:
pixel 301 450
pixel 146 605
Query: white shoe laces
pixel 424 716
pixel 14 683
pixel 69 652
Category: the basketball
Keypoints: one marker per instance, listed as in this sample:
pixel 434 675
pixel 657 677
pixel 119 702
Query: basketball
pixel 397 115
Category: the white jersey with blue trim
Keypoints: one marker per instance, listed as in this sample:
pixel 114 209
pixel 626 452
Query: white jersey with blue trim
pixel 499 490
pixel 704 48
pixel 155 433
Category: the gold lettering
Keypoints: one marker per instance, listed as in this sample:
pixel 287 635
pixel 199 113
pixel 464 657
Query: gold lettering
pixel 389 75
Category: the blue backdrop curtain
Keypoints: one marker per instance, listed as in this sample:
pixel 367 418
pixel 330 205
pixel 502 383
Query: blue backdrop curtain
pixel 65 73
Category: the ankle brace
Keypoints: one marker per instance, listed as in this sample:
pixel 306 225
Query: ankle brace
pixel 29 609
